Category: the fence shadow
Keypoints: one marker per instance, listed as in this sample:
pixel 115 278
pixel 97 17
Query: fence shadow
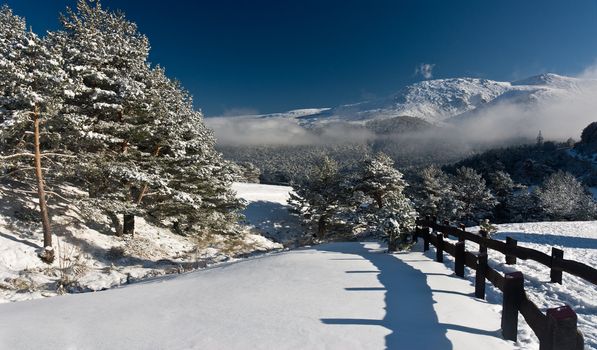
pixel 549 239
pixel 408 304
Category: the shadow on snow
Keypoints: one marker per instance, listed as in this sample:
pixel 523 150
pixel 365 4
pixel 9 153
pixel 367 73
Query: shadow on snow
pixel 410 315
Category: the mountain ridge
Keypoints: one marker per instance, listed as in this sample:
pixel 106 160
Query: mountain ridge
pixel 441 101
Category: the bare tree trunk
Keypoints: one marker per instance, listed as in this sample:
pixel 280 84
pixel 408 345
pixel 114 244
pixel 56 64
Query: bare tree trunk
pixel 47 255
pixel 115 223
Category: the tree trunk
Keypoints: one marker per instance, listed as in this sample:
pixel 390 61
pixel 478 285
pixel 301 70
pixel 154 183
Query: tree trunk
pixel 129 219
pixel 379 200
pixel 321 227
pixel 392 245
pixel 47 255
pixel 115 223
pixel 155 153
pixel 128 224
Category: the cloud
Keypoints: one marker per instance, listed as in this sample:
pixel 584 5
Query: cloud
pixel 425 69
pixel 252 130
pixel 589 72
pixel 239 111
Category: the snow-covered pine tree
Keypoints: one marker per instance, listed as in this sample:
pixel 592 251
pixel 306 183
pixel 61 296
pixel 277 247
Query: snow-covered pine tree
pixel 194 188
pixel 380 179
pixel 562 197
pixel 502 187
pixel 477 200
pixel 145 150
pixel 30 130
pixel 394 213
pixel 105 58
pixel 435 195
pixel 321 200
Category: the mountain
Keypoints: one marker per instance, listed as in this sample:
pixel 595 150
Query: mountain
pixel 442 101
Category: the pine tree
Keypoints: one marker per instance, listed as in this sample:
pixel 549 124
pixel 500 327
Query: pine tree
pixel 322 199
pixel 477 200
pixel 503 189
pixel 380 179
pixel 143 149
pixel 394 214
pixel 540 139
pixel 435 195
pixel 105 59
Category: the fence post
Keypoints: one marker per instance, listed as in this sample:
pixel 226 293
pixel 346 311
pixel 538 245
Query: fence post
pixel 463 228
pixel 562 332
pixel 480 275
pixel 426 233
pixel 439 249
pixel 556 270
pixel 511 244
pixel 459 256
pixel 482 247
pixel 446 223
pixel 513 294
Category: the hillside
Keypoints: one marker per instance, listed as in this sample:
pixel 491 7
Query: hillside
pixel 91 258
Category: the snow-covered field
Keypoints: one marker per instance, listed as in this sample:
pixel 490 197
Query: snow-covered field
pixel 579 242
pixel 333 296
pixel 267 211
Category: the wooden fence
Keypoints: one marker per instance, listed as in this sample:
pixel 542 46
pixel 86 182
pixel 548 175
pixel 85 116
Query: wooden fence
pixel 557 329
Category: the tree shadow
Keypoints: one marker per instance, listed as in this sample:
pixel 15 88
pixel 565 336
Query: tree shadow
pixel 408 303
pixel 410 315
pixel 550 239
pixel 24 241
pixel 272 219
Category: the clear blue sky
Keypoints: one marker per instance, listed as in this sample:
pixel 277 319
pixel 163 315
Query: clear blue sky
pixel 278 55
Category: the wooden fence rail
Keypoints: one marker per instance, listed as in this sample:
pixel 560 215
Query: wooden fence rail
pixel 557 329
pixel 555 261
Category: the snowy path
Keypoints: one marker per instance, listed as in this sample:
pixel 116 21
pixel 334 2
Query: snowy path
pixel 333 296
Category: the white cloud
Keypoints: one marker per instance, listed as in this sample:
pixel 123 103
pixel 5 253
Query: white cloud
pixel 425 69
pixel 239 111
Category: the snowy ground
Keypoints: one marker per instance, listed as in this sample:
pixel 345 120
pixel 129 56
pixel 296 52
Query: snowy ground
pixel 579 242
pixel 341 295
pixel 333 296
pixel 267 211
pixel 90 257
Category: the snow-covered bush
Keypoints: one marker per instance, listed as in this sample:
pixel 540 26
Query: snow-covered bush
pixel 563 197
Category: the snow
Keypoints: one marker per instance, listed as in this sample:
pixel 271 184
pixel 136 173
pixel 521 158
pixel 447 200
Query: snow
pixel 267 211
pixel 333 296
pixel 579 242
pixel 345 295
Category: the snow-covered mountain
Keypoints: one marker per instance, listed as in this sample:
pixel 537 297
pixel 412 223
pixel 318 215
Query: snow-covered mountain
pixel 444 100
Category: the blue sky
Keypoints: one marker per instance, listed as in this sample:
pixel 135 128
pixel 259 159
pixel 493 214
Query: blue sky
pixel 269 56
